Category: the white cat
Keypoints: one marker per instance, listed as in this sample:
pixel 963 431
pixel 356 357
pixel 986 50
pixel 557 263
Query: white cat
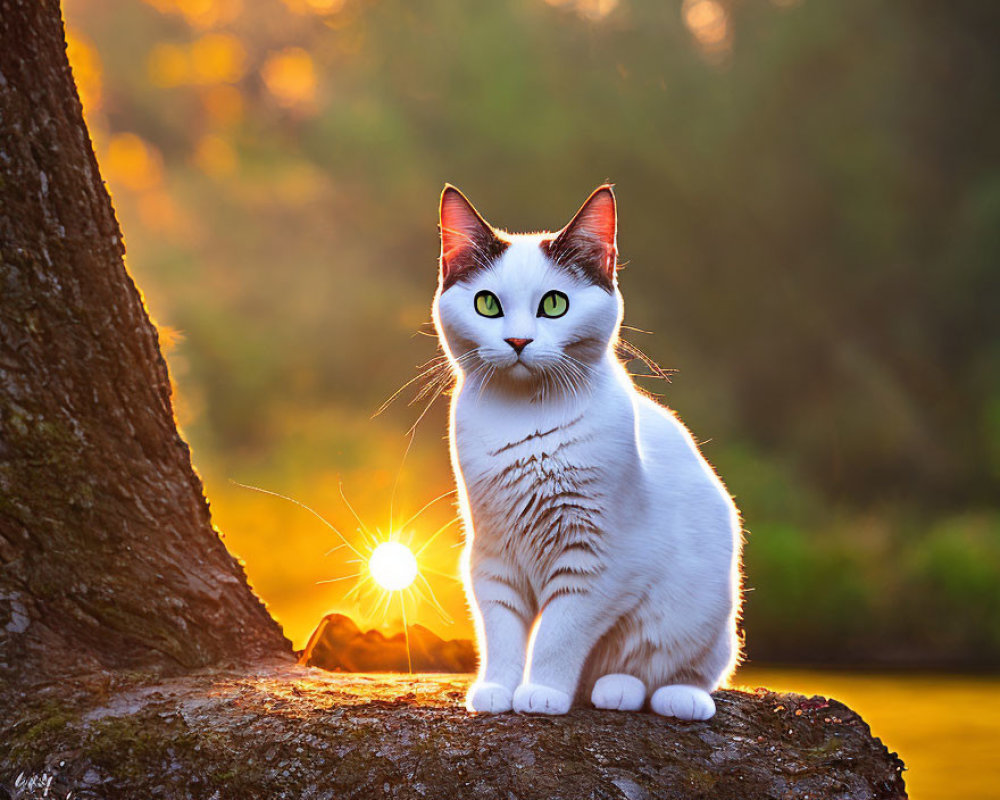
pixel 602 556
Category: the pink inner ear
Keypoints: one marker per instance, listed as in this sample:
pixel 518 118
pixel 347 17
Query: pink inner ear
pixel 461 226
pixel 597 217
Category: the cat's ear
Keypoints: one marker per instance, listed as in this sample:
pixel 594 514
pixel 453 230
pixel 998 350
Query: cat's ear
pixel 589 242
pixel 467 240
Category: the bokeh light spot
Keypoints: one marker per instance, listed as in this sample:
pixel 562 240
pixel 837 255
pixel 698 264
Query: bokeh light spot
pixel 290 76
pixel 708 22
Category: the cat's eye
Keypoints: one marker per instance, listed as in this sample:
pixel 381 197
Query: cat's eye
pixel 488 304
pixel 554 304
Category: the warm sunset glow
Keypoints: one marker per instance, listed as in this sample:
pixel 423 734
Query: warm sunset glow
pixel 393 566
pixel 86 69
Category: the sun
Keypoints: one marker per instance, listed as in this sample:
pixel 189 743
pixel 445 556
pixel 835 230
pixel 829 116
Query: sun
pixel 390 569
pixel 393 566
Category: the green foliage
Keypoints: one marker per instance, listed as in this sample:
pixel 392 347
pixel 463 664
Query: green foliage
pixel 956 572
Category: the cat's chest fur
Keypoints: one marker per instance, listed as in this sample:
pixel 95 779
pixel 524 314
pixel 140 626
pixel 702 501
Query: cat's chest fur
pixel 542 486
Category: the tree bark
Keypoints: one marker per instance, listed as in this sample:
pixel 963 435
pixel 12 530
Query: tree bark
pixel 108 557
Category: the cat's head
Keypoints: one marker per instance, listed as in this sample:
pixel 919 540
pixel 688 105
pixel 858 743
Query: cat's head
pixel 525 308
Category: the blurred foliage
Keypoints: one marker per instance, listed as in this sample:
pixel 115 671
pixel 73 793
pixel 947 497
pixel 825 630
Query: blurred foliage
pixel 809 204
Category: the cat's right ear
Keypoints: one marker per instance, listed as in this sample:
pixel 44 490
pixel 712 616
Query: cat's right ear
pixel 467 240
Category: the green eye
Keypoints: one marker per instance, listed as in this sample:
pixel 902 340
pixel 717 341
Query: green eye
pixel 554 304
pixel 488 305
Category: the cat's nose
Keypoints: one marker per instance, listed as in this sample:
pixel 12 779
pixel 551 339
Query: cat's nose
pixel 519 344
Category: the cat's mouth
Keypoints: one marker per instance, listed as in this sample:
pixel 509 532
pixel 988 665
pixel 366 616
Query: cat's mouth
pixel 517 368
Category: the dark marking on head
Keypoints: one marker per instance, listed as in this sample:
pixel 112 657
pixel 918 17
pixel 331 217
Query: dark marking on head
pixel 468 243
pixel 587 247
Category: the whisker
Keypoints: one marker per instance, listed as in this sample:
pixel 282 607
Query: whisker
pixel 627 351
pixel 427 407
pixel 579 373
pixel 426 368
pixel 440 377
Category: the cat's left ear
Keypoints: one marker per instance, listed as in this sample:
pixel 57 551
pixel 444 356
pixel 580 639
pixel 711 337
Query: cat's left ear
pixel 590 241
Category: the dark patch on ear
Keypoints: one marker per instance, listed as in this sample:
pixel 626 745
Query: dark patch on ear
pixel 581 258
pixel 478 256
pixel 468 243
pixel 587 247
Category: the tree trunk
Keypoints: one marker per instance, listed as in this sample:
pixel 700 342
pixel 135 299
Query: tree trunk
pixel 108 557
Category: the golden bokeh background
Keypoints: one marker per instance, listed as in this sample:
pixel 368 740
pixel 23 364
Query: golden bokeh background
pixel 810 207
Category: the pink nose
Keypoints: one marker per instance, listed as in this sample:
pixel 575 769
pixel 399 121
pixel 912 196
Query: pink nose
pixel 519 344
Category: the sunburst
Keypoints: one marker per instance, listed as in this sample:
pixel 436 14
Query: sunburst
pixel 389 564
pixel 393 566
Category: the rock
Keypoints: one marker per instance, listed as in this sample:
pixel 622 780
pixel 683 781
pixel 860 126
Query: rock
pixel 338 644
pixel 289 731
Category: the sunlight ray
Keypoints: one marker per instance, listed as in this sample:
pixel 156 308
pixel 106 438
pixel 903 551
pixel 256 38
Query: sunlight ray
pixel 437 533
pixel 342 578
pixel 444 615
pixel 406 634
pixel 443 574
pixel 426 506
pixel 434 601
pixel 307 508
pixel 343 496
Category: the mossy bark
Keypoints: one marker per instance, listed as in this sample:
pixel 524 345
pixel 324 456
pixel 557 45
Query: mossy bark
pixel 294 732
pixel 108 557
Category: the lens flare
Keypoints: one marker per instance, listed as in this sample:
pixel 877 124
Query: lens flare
pixel 393 566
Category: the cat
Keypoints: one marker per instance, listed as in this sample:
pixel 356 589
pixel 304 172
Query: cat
pixel 602 557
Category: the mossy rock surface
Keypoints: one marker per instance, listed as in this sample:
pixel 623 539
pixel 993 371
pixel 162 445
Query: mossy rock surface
pixel 287 731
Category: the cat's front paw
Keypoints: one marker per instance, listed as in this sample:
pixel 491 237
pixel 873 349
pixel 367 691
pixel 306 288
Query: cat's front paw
pixel 488 698
pixel 533 698
pixel 618 693
pixel 683 702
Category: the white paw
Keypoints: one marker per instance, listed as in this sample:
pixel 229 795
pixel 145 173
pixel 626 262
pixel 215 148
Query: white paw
pixel 488 698
pixel 533 698
pixel 619 693
pixel 683 702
